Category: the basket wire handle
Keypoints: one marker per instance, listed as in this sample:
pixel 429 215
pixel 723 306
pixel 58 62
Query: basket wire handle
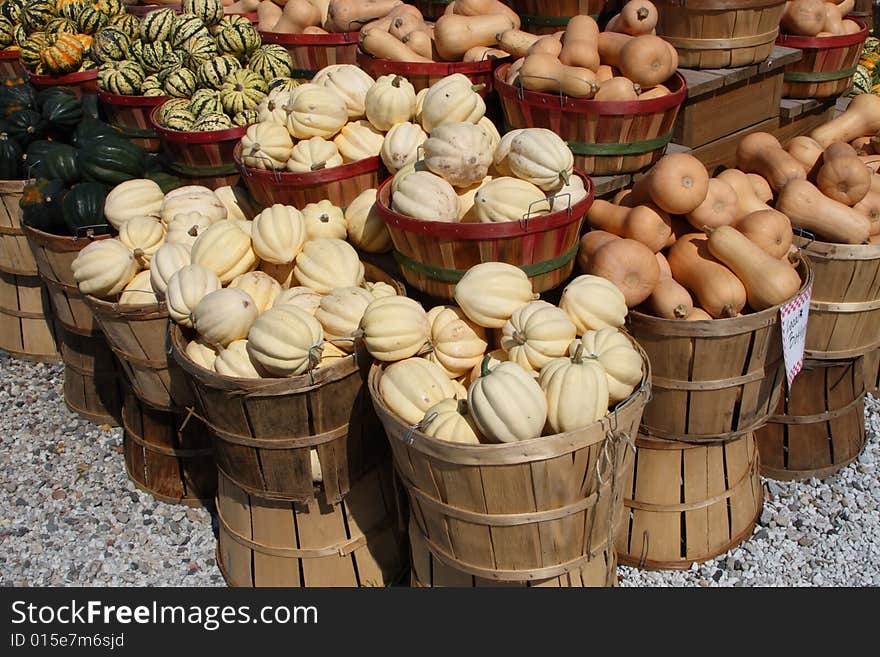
pixel 421 425
pixel 563 98
pixel 276 174
pixel 807 235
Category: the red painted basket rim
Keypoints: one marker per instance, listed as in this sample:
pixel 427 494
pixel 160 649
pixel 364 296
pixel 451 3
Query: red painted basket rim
pixel 195 137
pixel 333 39
pixel 588 106
pixel 837 41
pixel 484 231
pixel 130 101
pixel 9 53
pixel 294 179
pixel 432 69
pixel 70 78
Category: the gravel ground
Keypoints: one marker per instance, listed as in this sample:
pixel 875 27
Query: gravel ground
pixel 70 516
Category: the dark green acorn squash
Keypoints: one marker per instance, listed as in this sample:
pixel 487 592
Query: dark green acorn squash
pixel 60 107
pixel 27 125
pixel 166 181
pixel 83 209
pixel 90 131
pixel 59 162
pixel 41 206
pixel 111 161
pixel 11 160
pixel 16 97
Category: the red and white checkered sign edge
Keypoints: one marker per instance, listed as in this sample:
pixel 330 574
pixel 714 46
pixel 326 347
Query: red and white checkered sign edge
pixel 787 309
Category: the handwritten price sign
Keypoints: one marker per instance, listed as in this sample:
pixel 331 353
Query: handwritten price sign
pixel 793 316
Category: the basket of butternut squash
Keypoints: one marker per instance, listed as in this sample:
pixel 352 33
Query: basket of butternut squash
pixel 704 263
pixel 831 44
pixel 613 96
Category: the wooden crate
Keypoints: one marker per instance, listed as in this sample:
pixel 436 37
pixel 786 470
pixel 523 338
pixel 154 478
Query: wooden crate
pixel 689 503
pixel 352 542
pixel 820 428
pixel 723 101
pixel 26 327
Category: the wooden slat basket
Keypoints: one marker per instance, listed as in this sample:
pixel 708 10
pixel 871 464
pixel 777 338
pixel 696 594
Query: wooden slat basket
pixel 827 66
pixel 15 252
pixel 820 428
pixel 200 158
pixel 10 65
pixel 689 503
pixel 518 512
pixel 423 75
pixel 131 116
pixel 549 16
pixel 720 33
pixel 26 328
pixel 872 371
pixel 606 137
pixel 713 380
pixel 312 52
pixel 434 255
pixel 93 382
pixel 168 455
pixel 82 83
pixel 340 185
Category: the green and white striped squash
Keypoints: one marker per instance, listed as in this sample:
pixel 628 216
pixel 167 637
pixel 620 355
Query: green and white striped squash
pixel 282 85
pixel 158 25
pixel 36 13
pixel 238 40
pixel 151 86
pixel 71 10
pixel 169 106
pixel 205 101
pixel 172 65
pixel 246 117
pixel 129 24
pixel 110 7
pixel 212 121
pixel 65 55
pixel 179 119
pixel 157 55
pixel 61 26
pixel 90 20
pixel 7 32
pixel 180 84
pixel 229 20
pixel 213 73
pixel 29 51
pixel 125 77
pixel 271 61
pixel 185 27
pixel 209 11
pixel 111 45
pixel 862 80
pixel 198 50
pixel 11 10
pixel 20 34
pixel 242 90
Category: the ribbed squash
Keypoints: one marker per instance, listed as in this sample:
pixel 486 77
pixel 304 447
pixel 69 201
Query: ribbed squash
pixel 186 289
pixel 261 287
pixel 325 264
pixel 224 316
pixel 278 234
pixel 168 259
pixel 226 250
pixel 395 328
pixel 576 389
pixel 490 292
pixel 507 404
pixel 286 341
pixel 103 268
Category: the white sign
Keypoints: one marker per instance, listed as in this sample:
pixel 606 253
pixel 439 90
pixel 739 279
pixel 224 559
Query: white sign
pixel 793 316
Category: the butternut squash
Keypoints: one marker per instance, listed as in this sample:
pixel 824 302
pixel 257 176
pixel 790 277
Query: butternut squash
pixel 419 41
pixel 482 54
pixel 604 72
pixel 484 7
pixel 717 289
pixel 698 315
pixel 720 208
pixel 669 299
pixel 850 26
pixel 516 42
pixel 546 45
pixel 351 15
pixel 455 35
pixel 761 153
pixel 747 201
pixel 843 176
pixel 657 92
pixel 591 242
pixel 863 145
pixel 833 20
pixel 870 207
pixel 647 60
pixel 808 152
pixel 268 15
pixel 875 183
pixel 809 209
pixel 545 73
pixel 769 229
pixel 761 187
pixel 580 43
pixel 768 281
pixel 640 223
pixel 610 45
pixel 636 17
pixel 630 265
pixel 314 29
pixel 405 19
pixel 618 198
pixel 678 183
pixel 803 17
pixel 384 46
pixel 861 118
pixel 296 16
pixel 619 89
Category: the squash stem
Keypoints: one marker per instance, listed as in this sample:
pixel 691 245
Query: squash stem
pixel 484 366
pixel 578 356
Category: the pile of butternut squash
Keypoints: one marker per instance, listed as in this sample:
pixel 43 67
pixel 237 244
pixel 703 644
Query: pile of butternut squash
pixel 818 18
pixel 625 62
pixel 682 245
pixel 320 16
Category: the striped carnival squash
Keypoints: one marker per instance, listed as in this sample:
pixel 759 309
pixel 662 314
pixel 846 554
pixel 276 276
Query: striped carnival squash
pixel 26 126
pixel 57 161
pixel 271 61
pixel 60 107
pixel 12 9
pixel 129 24
pixel 40 205
pixel 70 9
pixel 209 11
pixel 185 27
pixel 213 73
pixel 36 13
pixel 172 64
pixel 63 56
pixel 283 85
pixel 21 35
pixel 109 7
pixel 135 50
pixel 198 50
pixel 228 21
pixel 156 55
pixel 246 117
pixel 212 121
pixel 86 41
pixel 7 32
pixel 239 39
pixel 179 119
pixel 205 101
pixel 180 84
pixel 88 65
pixel 158 25
pixel 29 52
pixel 110 44
pixel 83 209
pixel 151 86
pixel 171 105
pixel 862 80
pixel 61 26
pixel 123 77
pixel 242 90
pixel 11 158
pixel 111 161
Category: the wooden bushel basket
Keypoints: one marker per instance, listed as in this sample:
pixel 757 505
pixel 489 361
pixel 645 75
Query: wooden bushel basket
pixel 689 503
pixel 92 380
pixel 549 16
pixel 872 371
pixel 863 10
pixel 81 83
pixel 318 543
pixel 713 380
pixel 517 512
pixel 131 116
pixel 606 137
pixel 845 305
pixel 827 66
pixel 434 255
pixel 168 455
pixel 312 52
pixel 820 429
pixel 340 185
pixel 26 329
pixel 720 33
pixel 138 335
pixel 423 75
pixel 430 572
pixel 10 65
pixel 200 158
pixel 15 252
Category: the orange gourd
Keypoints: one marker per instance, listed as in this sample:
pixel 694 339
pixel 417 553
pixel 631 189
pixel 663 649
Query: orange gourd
pixel 769 229
pixel 808 152
pixel 719 208
pixel 619 89
pixel 717 289
pixel 861 118
pixel 761 153
pixel 746 199
pixel 678 183
pixel 591 242
pixel 630 265
pixel 669 299
pixel 640 223
pixel 455 35
pixel 808 208
pixel 843 176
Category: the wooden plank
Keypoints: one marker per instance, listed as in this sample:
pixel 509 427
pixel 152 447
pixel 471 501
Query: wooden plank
pixel 657 482
pixel 319 525
pixel 701 82
pixel 608 185
pixel 273 526
pixel 722 152
pixel 780 57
